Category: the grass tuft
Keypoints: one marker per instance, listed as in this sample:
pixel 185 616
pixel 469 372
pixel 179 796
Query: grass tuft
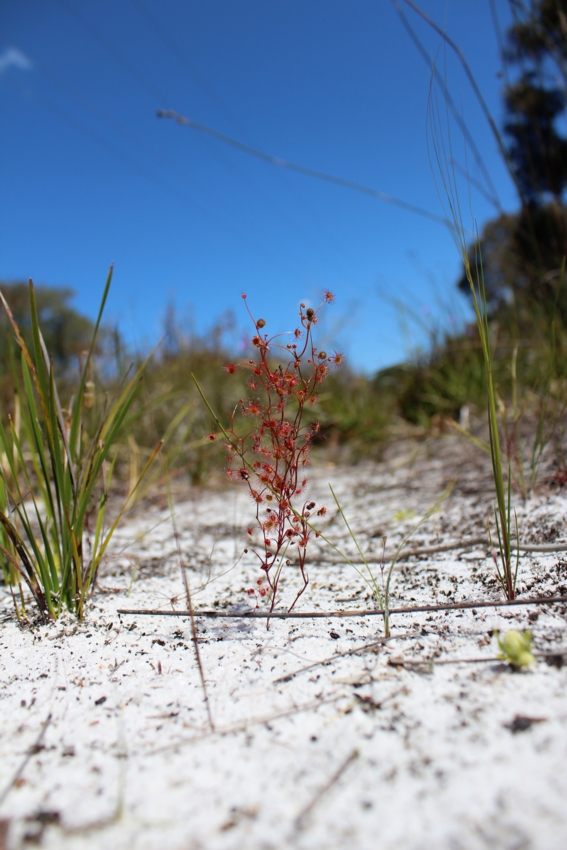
pixel 57 467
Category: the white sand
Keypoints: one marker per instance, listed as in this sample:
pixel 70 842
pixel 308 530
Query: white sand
pixel 355 753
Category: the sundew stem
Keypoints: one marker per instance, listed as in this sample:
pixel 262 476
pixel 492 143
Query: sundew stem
pixel 271 458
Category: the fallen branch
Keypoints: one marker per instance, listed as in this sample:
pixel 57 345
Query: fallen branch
pixel 370 612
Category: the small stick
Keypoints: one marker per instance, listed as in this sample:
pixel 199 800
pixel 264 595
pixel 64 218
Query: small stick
pixel 464 544
pixel 245 724
pixel 481 541
pixel 371 612
pixel 410 662
pixel 302 816
pixel 355 651
pixel 191 612
pixel 35 748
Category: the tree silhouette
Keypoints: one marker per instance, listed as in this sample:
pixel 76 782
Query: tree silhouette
pixel 521 255
pixel 536 99
pixel 65 331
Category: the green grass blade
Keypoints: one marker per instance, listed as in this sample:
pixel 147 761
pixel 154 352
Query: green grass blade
pixel 374 583
pixel 77 408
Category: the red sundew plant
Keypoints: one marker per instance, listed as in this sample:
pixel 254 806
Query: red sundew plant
pixel 271 458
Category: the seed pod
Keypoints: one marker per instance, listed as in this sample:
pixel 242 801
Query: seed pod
pixel 89 395
pixel 515 647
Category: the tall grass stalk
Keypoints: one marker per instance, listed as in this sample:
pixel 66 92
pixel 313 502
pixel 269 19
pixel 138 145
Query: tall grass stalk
pixel 443 155
pixel 368 575
pixel 57 466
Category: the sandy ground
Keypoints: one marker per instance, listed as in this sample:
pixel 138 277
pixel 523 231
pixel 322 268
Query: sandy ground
pixel 105 736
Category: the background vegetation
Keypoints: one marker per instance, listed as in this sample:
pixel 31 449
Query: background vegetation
pixel 522 258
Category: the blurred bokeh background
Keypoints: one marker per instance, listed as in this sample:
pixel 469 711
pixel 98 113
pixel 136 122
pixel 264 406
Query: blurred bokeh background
pixel 90 175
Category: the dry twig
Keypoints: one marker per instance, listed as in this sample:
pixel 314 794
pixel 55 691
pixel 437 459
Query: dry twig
pixel 301 819
pixel 253 721
pixel 364 612
pixel 365 648
pixel 33 750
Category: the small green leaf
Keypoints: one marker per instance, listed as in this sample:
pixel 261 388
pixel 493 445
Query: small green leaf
pixel 515 648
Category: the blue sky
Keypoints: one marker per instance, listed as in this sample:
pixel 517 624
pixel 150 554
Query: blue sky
pixel 91 176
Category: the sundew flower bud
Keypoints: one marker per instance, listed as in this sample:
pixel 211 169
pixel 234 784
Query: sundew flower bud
pixel 260 323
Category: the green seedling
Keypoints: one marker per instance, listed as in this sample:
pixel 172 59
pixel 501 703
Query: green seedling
pixel 383 596
pixel 515 648
pixel 403 515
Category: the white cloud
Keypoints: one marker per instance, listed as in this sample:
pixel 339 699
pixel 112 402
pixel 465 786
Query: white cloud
pixel 12 57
